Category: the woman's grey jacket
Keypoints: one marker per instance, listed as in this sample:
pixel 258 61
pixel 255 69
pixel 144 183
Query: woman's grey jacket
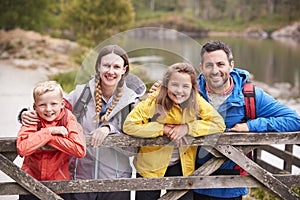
pixel 106 162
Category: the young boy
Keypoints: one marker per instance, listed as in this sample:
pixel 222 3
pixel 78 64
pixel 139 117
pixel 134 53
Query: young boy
pixel 57 129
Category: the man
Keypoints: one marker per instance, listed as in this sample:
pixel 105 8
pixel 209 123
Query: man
pixel 221 85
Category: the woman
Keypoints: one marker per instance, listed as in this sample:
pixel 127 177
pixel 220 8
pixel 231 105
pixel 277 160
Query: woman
pixel 110 103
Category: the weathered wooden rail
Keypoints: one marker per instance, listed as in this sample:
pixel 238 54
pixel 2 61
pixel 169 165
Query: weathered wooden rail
pixel 223 146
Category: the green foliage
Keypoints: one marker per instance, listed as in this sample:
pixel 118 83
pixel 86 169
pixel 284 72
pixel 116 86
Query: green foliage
pixel 93 21
pixel 219 15
pixel 259 193
pixel 296 190
pixel 66 80
pixel 29 14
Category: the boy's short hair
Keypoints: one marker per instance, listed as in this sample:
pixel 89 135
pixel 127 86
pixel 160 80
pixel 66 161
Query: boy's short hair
pixel 47 86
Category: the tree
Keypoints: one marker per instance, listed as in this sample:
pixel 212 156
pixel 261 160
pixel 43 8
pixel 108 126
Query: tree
pixel 29 14
pixel 92 21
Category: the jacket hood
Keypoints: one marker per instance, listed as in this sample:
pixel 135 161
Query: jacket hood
pixel 239 76
pixel 136 84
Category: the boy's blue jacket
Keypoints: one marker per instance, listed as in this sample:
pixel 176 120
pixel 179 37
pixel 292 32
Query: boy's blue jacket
pixel 271 116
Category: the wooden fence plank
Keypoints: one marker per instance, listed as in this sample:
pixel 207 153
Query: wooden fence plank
pixel 8 144
pixel 287 165
pixel 127 184
pixel 256 171
pixel 215 162
pixel 284 155
pixel 26 180
pixel 270 168
pixel 8 150
pixel 208 168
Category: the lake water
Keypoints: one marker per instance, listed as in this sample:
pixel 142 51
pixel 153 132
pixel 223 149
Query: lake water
pixel 268 60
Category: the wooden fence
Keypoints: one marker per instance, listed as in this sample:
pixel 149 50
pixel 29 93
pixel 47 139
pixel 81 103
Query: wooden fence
pixel 223 146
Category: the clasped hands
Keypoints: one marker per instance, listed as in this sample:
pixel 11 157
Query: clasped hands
pixel 176 133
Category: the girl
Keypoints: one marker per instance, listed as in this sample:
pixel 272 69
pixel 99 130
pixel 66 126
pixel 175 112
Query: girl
pixel 175 110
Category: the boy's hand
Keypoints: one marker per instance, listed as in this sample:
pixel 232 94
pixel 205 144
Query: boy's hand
pixel 58 130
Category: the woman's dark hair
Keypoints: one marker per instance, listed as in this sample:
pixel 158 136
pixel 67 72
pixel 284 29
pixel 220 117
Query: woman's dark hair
pixel 116 50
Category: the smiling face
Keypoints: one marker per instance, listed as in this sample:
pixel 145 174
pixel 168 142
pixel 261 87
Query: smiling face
pixel 216 69
pixel 179 87
pixel 111 69
pixel 49 105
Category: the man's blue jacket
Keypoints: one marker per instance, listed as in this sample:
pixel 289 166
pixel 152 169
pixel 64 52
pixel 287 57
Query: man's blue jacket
pixel 271 116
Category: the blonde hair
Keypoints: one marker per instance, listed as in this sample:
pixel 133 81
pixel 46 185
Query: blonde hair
pixel 47 86
pixel 164 100
pixel 98 90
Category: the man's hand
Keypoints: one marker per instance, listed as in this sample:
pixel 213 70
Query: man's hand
pixel 240 127
pixel 154 87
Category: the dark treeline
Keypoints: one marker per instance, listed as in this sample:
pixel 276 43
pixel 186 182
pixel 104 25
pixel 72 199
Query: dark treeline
pixel 232 9
pixel 89 21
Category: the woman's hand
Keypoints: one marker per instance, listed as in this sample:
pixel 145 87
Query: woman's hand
pixel 29 117
pixel 99 135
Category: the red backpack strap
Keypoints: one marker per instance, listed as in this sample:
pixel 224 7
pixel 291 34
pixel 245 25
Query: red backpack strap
pixel 63 120
pixel 68 105
pixel 249 97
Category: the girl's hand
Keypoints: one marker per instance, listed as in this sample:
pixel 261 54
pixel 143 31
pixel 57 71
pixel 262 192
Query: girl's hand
pixel 177 133
pixel 99 135
pixel 29 117
pixel 179 142
pixel 167 129
pixel 58 130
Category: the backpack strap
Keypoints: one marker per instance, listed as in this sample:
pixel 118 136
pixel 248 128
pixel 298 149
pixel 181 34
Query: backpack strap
pixel 250 113
pixel 249 97
pixel 80 106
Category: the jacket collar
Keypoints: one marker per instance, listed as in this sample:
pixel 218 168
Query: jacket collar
pixel 239 77
pixel 44 123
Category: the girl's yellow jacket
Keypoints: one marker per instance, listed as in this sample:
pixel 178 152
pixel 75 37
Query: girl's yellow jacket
pixel 152 161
